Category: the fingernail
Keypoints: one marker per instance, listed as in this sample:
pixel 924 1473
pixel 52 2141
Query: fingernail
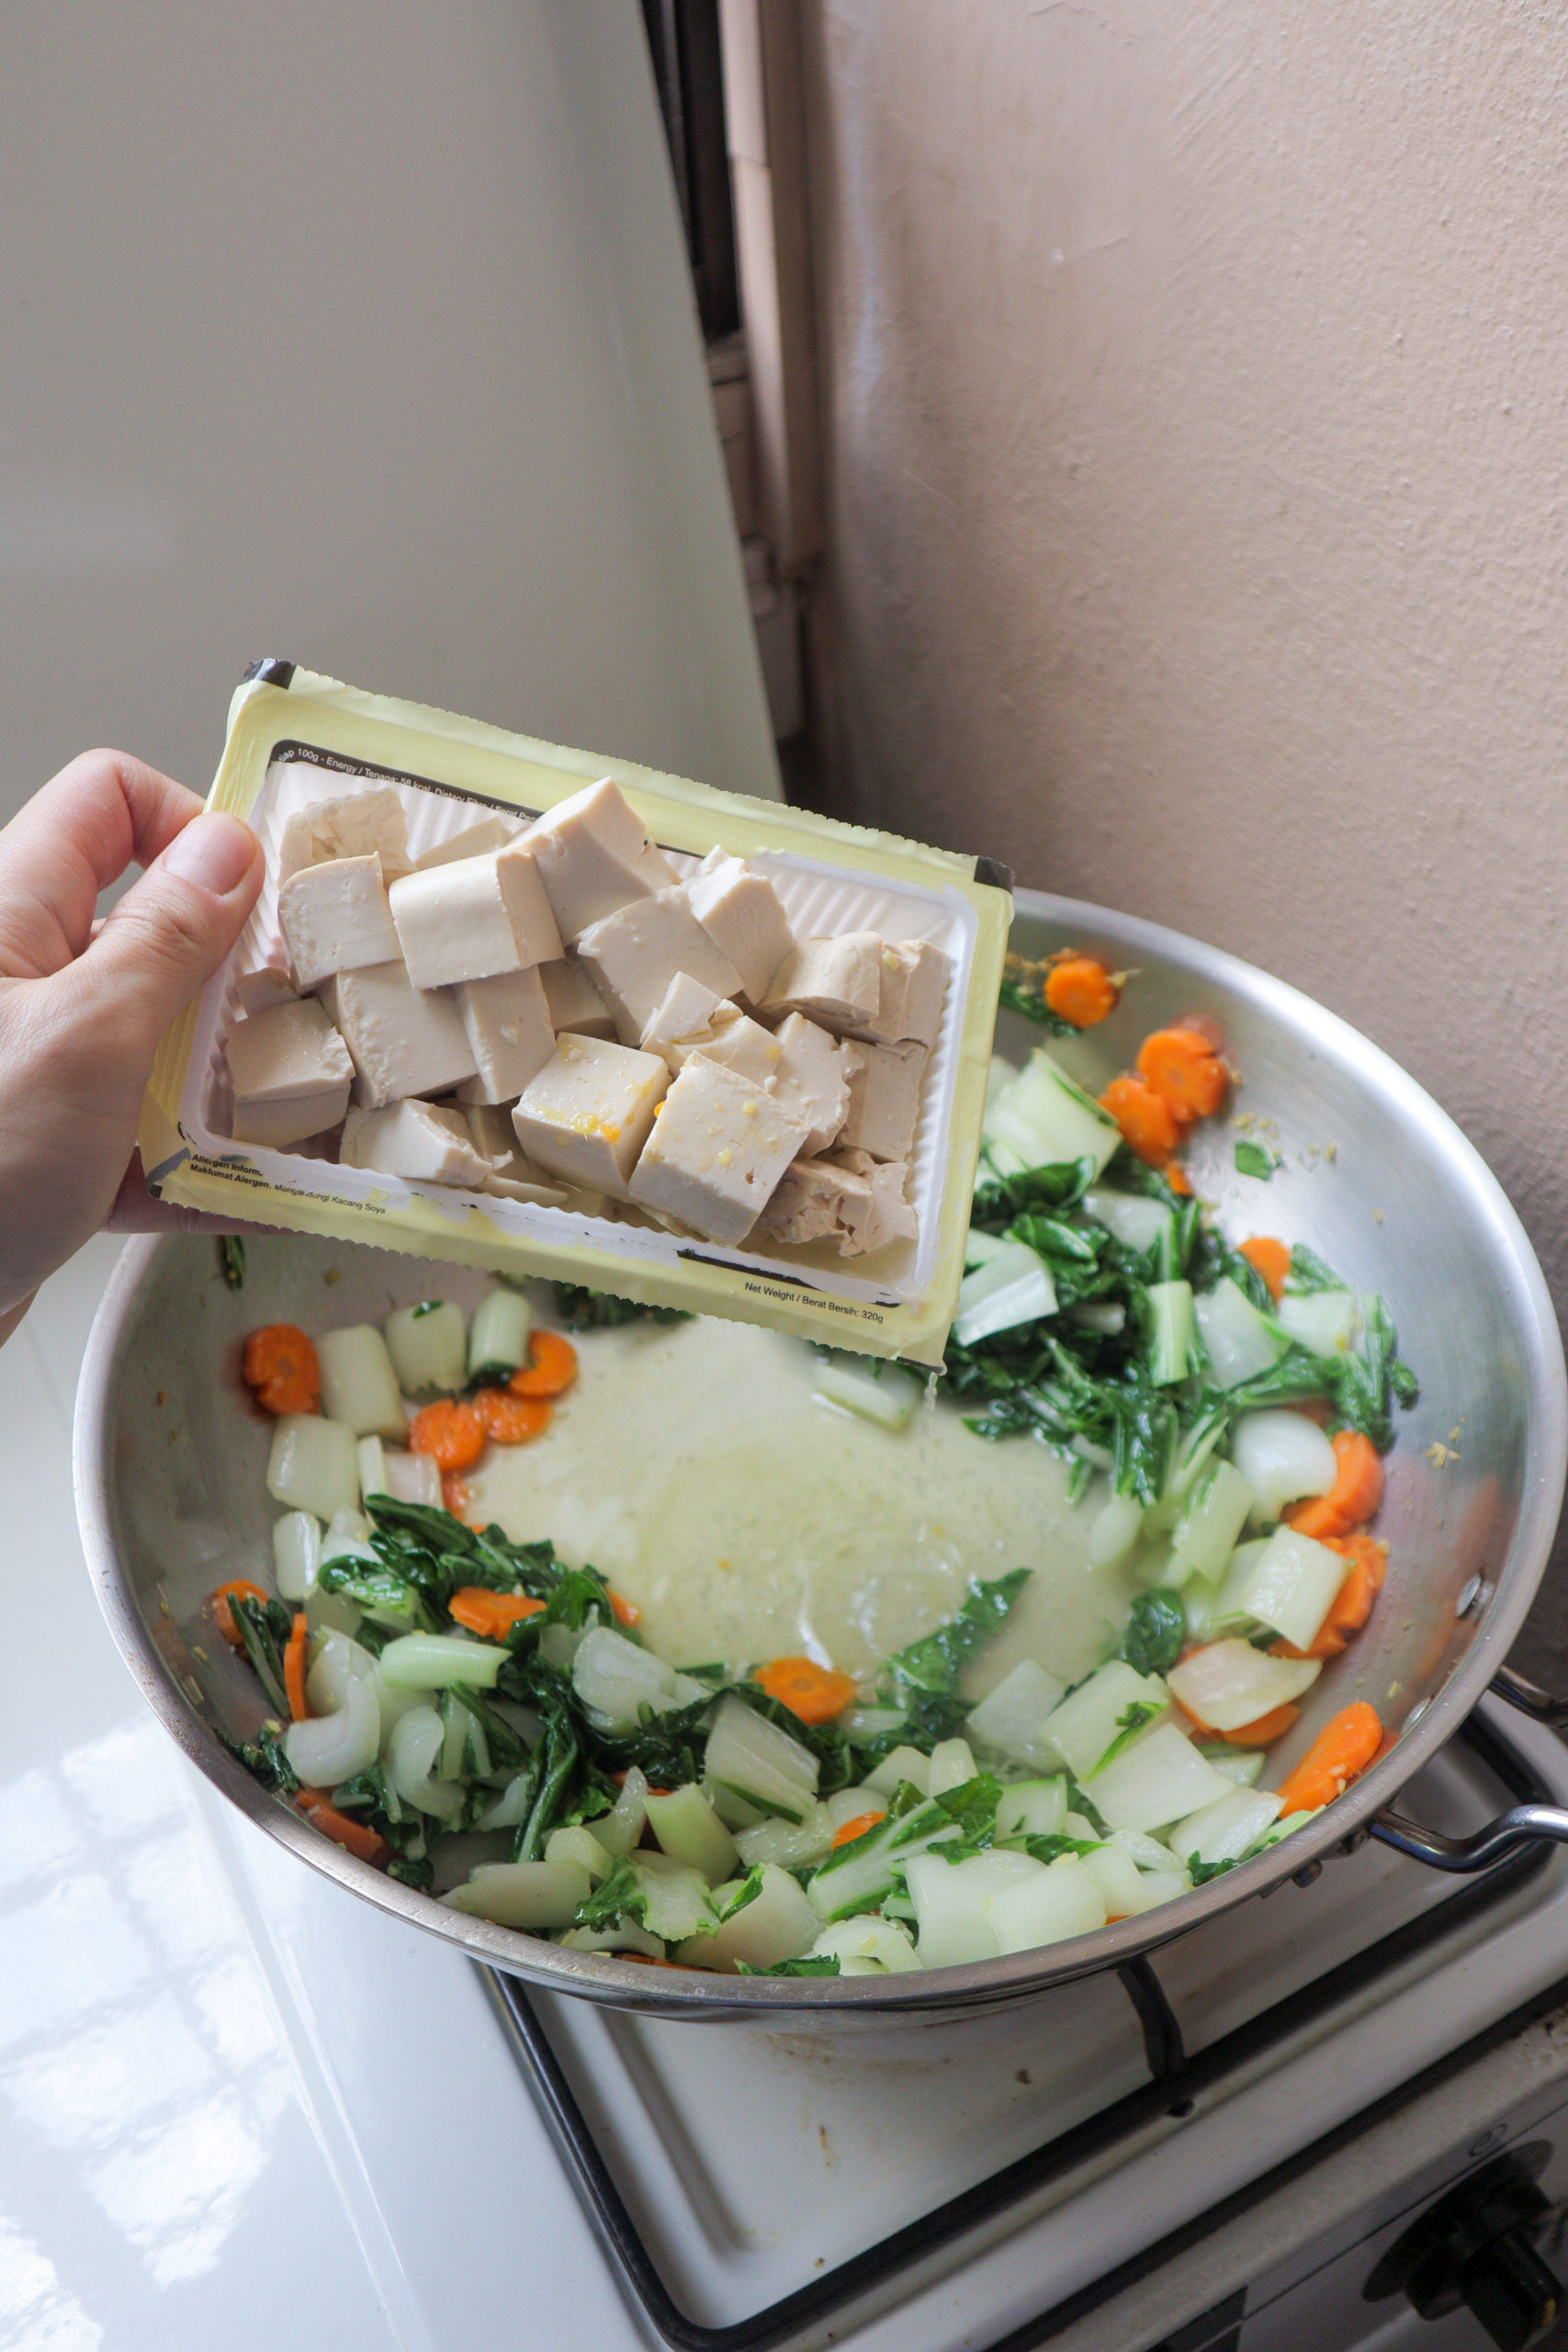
pixel 214 852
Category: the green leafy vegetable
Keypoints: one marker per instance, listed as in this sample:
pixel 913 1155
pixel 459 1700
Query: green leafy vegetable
pixel 620 1896
pixel 231 1259
pixel 264 1627
pixel 1254 1160
pixel 1129 1723
pixel 812 1964
pixel 1202 1873
pixel 582 1309
pixel 1050 1849
pixel 1156 1628
pixel 934 1662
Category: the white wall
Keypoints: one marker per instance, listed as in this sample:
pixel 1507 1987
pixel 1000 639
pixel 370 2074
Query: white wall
pixel 1197 395
pixel 358 333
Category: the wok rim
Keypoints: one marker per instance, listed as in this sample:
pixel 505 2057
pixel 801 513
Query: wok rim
pixel 696 1996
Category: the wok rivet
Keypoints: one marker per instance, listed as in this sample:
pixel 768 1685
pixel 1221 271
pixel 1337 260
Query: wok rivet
pixel 1308 1873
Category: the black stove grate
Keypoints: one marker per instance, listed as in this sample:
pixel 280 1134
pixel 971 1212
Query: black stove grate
pixel 1175 2081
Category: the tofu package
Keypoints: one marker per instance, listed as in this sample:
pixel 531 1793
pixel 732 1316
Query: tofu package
pixel 556 1015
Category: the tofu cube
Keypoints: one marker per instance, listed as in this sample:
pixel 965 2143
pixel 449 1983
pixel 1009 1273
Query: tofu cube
pixel 512 1176
pixel 718 1150
pixel 633 954
pixel 587 1114
pixel 811 1079
pixel 574 1003
pixel 654 868
pixel 885 1098
pixel 911 982
pixel 472 919
pixel 833 982
pixel 423 1141
pixel 592 852
pixel 264 986
pixel 853 1201
pixel 335 919
pixel 684 1019
pixel 403 1040
pixel 507 1023
pixel 351 824
pixel 742 915
pixel 290 1072
pixel 490 833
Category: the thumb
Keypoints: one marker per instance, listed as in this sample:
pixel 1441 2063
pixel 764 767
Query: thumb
pixel 167 937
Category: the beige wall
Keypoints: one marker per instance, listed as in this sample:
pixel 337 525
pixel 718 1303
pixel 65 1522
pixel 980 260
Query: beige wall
pixel 1194 387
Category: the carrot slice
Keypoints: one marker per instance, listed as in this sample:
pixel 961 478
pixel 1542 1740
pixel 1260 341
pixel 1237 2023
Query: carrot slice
pixel 453 1435
pixel 510 1419
pixel 551 1366
pixel 813 1693
pixel 1270 1259
pixel 1078 989
pixel 1147 1120
pixel 1185 1072
pixel 281 1370
pixel 861 1822
pixel 355 1836
pixel 625 1612
pixel 454 1493
pixel 294 1670
pixel 1341 1753
pixel 1354 1495
pixel 223 1616
pixel 491 1615
pixel 1263 1729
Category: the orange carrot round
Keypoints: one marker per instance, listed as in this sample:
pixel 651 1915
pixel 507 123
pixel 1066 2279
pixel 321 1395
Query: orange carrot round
pixel 490 1614
pixel 1354 1495
pixel 625 1611
pixel 1341 1753
pixel 453 1435
pixel 355 1836
pixel 454 1493
pixel 813 1693
pixel 294 1670
pixel 281 1370
pixel 551 1366
pixel 223 1616
pixel 510 1420
pixel 1270 1259
pixel 1146 1121
pixel 858 1826
pixel 1184 1072
pixel 1078 989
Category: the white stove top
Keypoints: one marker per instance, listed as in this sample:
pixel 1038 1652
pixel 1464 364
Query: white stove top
pixel 236 2101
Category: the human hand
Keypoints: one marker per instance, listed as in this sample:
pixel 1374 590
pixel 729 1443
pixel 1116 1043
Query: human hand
pixel 81 1011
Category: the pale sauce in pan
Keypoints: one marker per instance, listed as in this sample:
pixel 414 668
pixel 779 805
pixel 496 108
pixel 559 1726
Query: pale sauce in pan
pixel 694 1466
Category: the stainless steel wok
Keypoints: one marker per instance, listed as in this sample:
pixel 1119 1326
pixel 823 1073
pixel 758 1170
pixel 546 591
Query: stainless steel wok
pixel 170 1495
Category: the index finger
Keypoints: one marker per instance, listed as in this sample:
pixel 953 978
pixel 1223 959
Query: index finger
pixel 104 812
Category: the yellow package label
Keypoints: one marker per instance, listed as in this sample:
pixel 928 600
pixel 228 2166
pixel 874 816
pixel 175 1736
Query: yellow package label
pixel 557 1015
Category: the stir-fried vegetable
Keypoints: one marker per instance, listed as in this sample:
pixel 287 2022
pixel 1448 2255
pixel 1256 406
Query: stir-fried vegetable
pixel 428 1681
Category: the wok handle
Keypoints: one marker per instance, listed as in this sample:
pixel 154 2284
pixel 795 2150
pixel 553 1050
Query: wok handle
pixel 1530 1699
pixel 1520 1826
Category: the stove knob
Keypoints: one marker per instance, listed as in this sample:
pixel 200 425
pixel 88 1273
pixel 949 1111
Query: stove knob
pixel 1472 2251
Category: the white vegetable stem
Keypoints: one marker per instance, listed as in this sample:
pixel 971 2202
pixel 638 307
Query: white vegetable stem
pixel 1045 1117
pixel 1013 1287
pixel 1159 1780
pixel 1238 1341
pixel 777 1923
pixel 296 1554
pixel 877 1393
pixel 534 1896
pixel 358 1383
pixel 617 1679
pixel 497 1335
pixel 427 1346
pixel 1292 1586
pixel 313 1464
pixel 434 1661
pixel 1008 1720
pixel 1282 1456
pixel 1228 1684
